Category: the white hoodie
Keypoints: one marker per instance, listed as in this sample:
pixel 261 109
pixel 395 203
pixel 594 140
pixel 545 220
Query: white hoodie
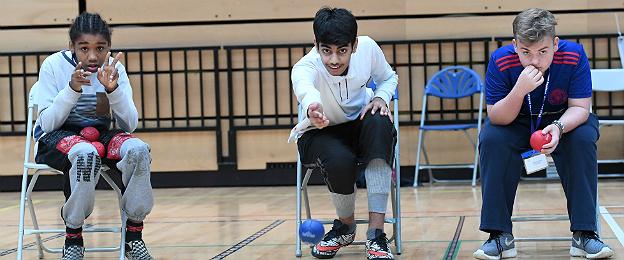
pixel 342 97
pixel 60 105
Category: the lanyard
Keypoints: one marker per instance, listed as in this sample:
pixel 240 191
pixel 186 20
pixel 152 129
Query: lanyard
pixel 539 114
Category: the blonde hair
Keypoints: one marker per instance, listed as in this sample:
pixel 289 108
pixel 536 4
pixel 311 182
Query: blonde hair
pixel 532 25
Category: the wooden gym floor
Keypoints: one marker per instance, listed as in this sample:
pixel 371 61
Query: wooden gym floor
pixel 201 223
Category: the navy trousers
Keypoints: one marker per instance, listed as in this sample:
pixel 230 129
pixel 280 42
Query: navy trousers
pixel 501 165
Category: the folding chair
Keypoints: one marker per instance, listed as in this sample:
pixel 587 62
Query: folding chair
pixel 395 220
pixel 26 200
pixel 610 80
pixel 450 83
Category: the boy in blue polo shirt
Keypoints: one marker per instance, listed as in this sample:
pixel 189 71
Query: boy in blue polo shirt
pixel 539 83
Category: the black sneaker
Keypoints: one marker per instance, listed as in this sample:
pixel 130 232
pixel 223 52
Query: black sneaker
pixel 377 248
pixel 336 238
pixel 73 252
pixel 136 250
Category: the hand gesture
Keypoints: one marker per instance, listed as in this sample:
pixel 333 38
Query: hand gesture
pixel 530 78
pixel 108 75
pixel 79 77
pixel 316 115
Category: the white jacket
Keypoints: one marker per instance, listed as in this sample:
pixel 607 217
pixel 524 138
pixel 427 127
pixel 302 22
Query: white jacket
pixel 60 105
pixel 342 97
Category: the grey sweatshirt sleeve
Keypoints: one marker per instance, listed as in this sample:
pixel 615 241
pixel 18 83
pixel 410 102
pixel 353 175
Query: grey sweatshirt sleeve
pixel 54 105
pixel 121 102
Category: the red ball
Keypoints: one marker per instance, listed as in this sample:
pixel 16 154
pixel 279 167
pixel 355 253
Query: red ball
pixel 90 133
pixel 538 140
pixel 100 149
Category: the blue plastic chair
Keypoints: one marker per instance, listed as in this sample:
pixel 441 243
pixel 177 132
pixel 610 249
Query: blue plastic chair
pixel 303 178
pixel 450 83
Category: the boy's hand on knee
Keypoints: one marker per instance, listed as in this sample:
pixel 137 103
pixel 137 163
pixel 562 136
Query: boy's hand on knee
pixel 316 116
pixel 554 132
pixel 377 104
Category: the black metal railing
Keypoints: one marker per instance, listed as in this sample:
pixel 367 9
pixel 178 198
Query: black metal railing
pixel 180 89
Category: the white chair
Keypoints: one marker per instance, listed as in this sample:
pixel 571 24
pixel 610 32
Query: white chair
pixel 26 200
pixel 610 80
pixel 395 220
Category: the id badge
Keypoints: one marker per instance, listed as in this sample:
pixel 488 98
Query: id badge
pixel 534 161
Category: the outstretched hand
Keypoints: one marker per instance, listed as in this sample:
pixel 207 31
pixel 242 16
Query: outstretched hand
pixel 316 115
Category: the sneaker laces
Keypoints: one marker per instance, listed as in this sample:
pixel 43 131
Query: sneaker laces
pixel 589 236
pixel 382 242
pixel 337 229
pixel 334 232
pixel 495 236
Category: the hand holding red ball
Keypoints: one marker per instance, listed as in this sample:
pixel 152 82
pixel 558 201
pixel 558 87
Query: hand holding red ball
pixel 538 140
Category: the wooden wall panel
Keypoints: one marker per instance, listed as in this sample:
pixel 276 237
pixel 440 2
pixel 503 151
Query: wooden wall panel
pixel 37 12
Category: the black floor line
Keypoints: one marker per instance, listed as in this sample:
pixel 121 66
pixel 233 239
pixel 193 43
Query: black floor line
pixel 248 240
pixel 453 246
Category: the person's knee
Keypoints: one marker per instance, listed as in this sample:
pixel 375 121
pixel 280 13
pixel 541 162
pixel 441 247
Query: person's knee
pixel 339 170
pixel 85 163
pixel 82 149
pixel 583 137
pixel 378 121
pixel 135 151
pixel 135 145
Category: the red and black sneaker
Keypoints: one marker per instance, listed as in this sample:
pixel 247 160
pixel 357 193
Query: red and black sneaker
pixel 377 248
pixel 336 238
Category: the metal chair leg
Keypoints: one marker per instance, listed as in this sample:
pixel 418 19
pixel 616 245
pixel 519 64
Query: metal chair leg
pixel 298 209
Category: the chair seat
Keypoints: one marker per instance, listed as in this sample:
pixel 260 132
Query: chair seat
pixel 449 127
pixel 611 122
pixel 38 166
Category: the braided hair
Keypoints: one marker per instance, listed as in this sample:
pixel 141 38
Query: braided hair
pixel 89 23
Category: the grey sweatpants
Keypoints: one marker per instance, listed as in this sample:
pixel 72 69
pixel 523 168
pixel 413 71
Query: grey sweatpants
pixel 137 200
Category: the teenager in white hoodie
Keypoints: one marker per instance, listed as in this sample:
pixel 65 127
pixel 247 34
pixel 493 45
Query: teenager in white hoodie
pixel 79 88
pixel 347 126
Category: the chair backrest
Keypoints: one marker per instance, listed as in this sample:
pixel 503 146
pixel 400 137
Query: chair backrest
pixel 372 85
pixel 454 82
pixel 620 41
pixel 607 79
pixel 32 95
pixel 32 105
